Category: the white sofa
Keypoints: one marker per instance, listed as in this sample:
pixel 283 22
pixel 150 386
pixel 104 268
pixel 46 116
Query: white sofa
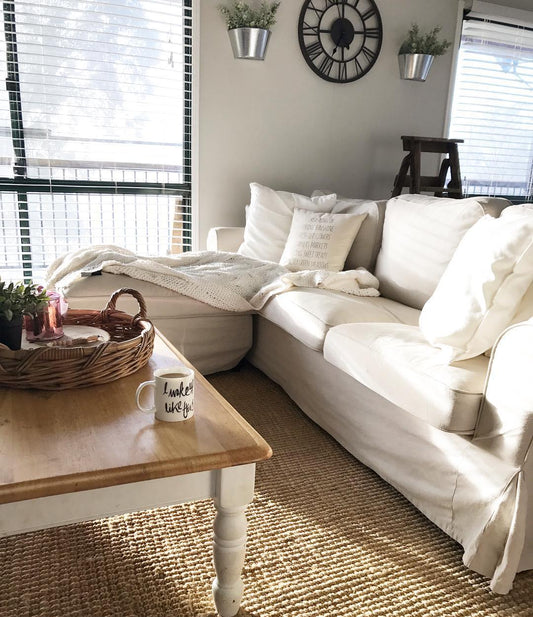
pixel 455 439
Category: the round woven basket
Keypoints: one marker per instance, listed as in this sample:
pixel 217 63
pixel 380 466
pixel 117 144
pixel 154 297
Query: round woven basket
pixel 59 368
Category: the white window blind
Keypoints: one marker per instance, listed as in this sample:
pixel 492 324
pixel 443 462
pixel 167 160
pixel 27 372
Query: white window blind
pixel 94 128
pixel 492 106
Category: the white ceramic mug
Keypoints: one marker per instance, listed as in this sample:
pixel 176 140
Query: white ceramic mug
pixel 173 394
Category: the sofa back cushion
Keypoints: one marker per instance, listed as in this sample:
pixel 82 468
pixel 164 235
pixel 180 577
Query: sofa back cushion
pixel 420 235
pixel 269 219
pixel 365 248
pixel 525 308
pixel 482 287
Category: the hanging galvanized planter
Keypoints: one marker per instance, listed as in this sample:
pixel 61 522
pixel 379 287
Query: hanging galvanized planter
pixel 249 43
pixel 415 66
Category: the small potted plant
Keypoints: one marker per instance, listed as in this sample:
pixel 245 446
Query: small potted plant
pixel 417 51
pixel 249 27
pixel 17 300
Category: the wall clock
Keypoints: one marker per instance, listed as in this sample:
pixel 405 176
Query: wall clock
pixel 340 39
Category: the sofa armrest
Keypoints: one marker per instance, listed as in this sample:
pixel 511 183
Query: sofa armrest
pixel 505 423
pixel 225 239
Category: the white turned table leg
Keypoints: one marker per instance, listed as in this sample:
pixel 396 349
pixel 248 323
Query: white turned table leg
pixel 234 491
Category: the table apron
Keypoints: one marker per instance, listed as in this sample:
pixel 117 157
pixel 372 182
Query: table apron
pixel 55 510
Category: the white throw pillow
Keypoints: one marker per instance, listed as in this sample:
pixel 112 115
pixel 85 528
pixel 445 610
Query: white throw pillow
pixel 482 286
pixel 320 241
pixel 364 251
pixel 269 219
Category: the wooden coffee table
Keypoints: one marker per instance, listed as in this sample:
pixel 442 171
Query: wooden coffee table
pixel 89 453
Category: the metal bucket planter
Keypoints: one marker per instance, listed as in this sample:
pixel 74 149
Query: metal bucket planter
pixel 414 66
pixel 249 43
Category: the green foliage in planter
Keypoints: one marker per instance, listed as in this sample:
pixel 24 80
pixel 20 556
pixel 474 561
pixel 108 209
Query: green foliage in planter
pixel 242 15
pixel 17 299
pixel 418 43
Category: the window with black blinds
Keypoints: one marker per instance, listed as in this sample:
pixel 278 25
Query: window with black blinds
pixel 95 129
pixel 493 106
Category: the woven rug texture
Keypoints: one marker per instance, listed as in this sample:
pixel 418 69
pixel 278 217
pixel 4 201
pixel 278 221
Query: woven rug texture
pixel 327 538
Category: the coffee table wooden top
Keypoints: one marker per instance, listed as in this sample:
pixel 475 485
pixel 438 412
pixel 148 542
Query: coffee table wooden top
pixel 73 440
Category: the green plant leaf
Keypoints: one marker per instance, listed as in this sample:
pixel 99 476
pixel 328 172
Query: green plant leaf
pixel 241 15
pixel 420 43
pixel 19 298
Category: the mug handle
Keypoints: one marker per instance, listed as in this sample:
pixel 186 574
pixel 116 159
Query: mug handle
pixel 141 387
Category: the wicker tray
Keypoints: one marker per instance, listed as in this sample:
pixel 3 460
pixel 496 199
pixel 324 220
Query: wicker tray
pixel 60 368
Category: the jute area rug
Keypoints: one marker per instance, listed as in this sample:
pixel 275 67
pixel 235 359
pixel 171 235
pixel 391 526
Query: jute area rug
pixel 327 538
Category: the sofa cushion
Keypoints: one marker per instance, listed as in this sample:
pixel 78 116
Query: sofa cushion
pixel 364 250
pixel 396 362
pixel 482 287
pixel 420 235
pixel 269 218
pixel 320 240
pixel 524 310
pixel 212 339
pixel 308 314
pixel 95 291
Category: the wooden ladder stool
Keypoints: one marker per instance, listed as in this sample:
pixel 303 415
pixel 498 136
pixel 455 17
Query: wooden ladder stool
pixel 409 174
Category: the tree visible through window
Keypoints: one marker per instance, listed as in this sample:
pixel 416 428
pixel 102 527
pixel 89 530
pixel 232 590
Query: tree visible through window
pixel 94 128
pixel 493 108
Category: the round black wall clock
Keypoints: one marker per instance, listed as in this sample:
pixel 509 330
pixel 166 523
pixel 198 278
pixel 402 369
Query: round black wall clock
pixel 340 39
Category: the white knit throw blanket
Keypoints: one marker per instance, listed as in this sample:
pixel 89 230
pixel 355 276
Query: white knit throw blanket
pixel 228 281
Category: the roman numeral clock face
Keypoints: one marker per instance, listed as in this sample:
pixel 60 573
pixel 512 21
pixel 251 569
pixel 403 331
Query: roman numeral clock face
pixel 340 39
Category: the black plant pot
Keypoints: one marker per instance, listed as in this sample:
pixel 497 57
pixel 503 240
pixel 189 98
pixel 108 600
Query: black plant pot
pixel 11 332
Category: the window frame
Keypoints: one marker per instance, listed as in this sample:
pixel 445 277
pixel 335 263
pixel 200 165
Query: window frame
pixel 21 184
pixel 508 17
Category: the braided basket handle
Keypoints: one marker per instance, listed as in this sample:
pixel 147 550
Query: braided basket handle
pixel 112 303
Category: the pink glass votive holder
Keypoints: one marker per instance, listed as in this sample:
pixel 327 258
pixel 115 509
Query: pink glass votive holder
pixel 47 324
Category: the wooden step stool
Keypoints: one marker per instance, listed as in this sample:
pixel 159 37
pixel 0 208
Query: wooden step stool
pixel 409 174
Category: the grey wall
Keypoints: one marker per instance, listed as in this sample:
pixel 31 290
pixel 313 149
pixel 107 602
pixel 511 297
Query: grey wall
pixel 523 5
pixel 277 123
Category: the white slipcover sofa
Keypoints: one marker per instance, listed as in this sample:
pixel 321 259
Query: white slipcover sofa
pixel 454 438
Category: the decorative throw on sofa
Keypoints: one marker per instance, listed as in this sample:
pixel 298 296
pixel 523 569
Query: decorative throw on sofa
pixel 227 281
